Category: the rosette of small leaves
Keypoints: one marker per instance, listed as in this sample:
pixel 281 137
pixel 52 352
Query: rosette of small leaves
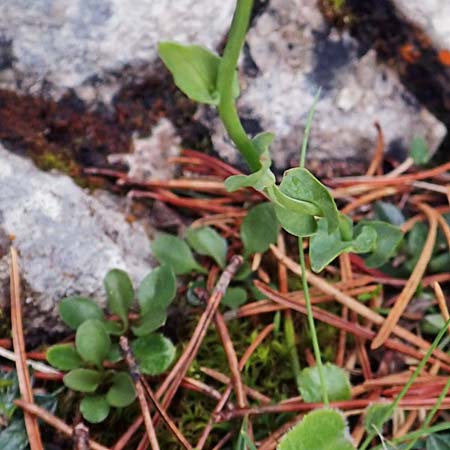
pixel 96 340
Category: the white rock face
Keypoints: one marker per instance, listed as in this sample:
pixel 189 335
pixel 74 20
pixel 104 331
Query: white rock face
pixel 67 240
pixel 296 53
pixel 67 41
pixel 433 16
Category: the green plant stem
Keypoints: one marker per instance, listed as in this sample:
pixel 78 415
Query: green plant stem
pixel 289 335
pixel 227 106
pixel 431 414
pixel 405 389
pixel 308 128
pixel 311 325
pixel 301 252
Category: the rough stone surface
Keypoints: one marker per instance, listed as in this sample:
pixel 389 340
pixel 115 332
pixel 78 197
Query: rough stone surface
pixel 65 42
pixel 294 52
pixel 67 240
pixel 150 157
pixel 432 16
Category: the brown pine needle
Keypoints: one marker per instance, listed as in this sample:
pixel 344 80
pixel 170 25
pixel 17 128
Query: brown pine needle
pixel 56 423
pixel 232 360
pixel 413 281
pixel 135 375
pixel 357 306
pixel 375 165
pixel 23 376
pixel 368 198
pixel 441 302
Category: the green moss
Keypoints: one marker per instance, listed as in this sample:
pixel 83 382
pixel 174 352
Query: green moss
pixel 48 161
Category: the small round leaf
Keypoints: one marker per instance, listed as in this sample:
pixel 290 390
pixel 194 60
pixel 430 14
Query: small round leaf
pixel 234 297
pixel 207 241
pixel 120 293
pixel 83 380
pixel 92 341
pixel 157 289
pixel 64 357
pixel 154 353
pixel 150 322
pixel 174 252
pixel 322 429
pixel 76 310
pixel 122 392
pixel 259 228
pixel 336 380
pixel 94 408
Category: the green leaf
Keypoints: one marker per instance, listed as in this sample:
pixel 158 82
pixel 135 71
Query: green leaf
pixel 150 322
pixel 92 342
pixel 194 69
pixel 157 290
pixel 374 416
pixel 113 327
pixel 83 380
pixel 207 241
pixel 300 184
pixel 262 142
pixel 14 437
pixel 114 355
pixel 154 353
pixel 336 379
pixel 259 180
pixel 300 225
pixel 432 323
pixel 322 429
pixel 94 408
pixel 64 357
pixel 174 252
pixel 234 297
pixel 438 441
pixel 259 229
pixel 388 240
pixel 75 310
pixel 120 293
pixel 388 212
pixel 324 247
pixel 122 392
pixel 419 151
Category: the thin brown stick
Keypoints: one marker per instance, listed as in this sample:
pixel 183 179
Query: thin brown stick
pixel 53 421
pixel 368 198
pixel 223 441
pixel 197 386
pixel 135 375
pixel 413 281
pixel 221 403
pixel 375 165
pixel 232 360
pixel 407 403
pixel 23 376
pixel 403 179
pixel 441 302
pixel 168 421
pixel 125 438
pixel 173 380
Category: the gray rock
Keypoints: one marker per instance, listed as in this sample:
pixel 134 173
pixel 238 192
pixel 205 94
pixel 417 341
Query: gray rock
pixel 432 16
pixel 64 42
pixel 50 46
pixel 295 53
pixel 67 240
